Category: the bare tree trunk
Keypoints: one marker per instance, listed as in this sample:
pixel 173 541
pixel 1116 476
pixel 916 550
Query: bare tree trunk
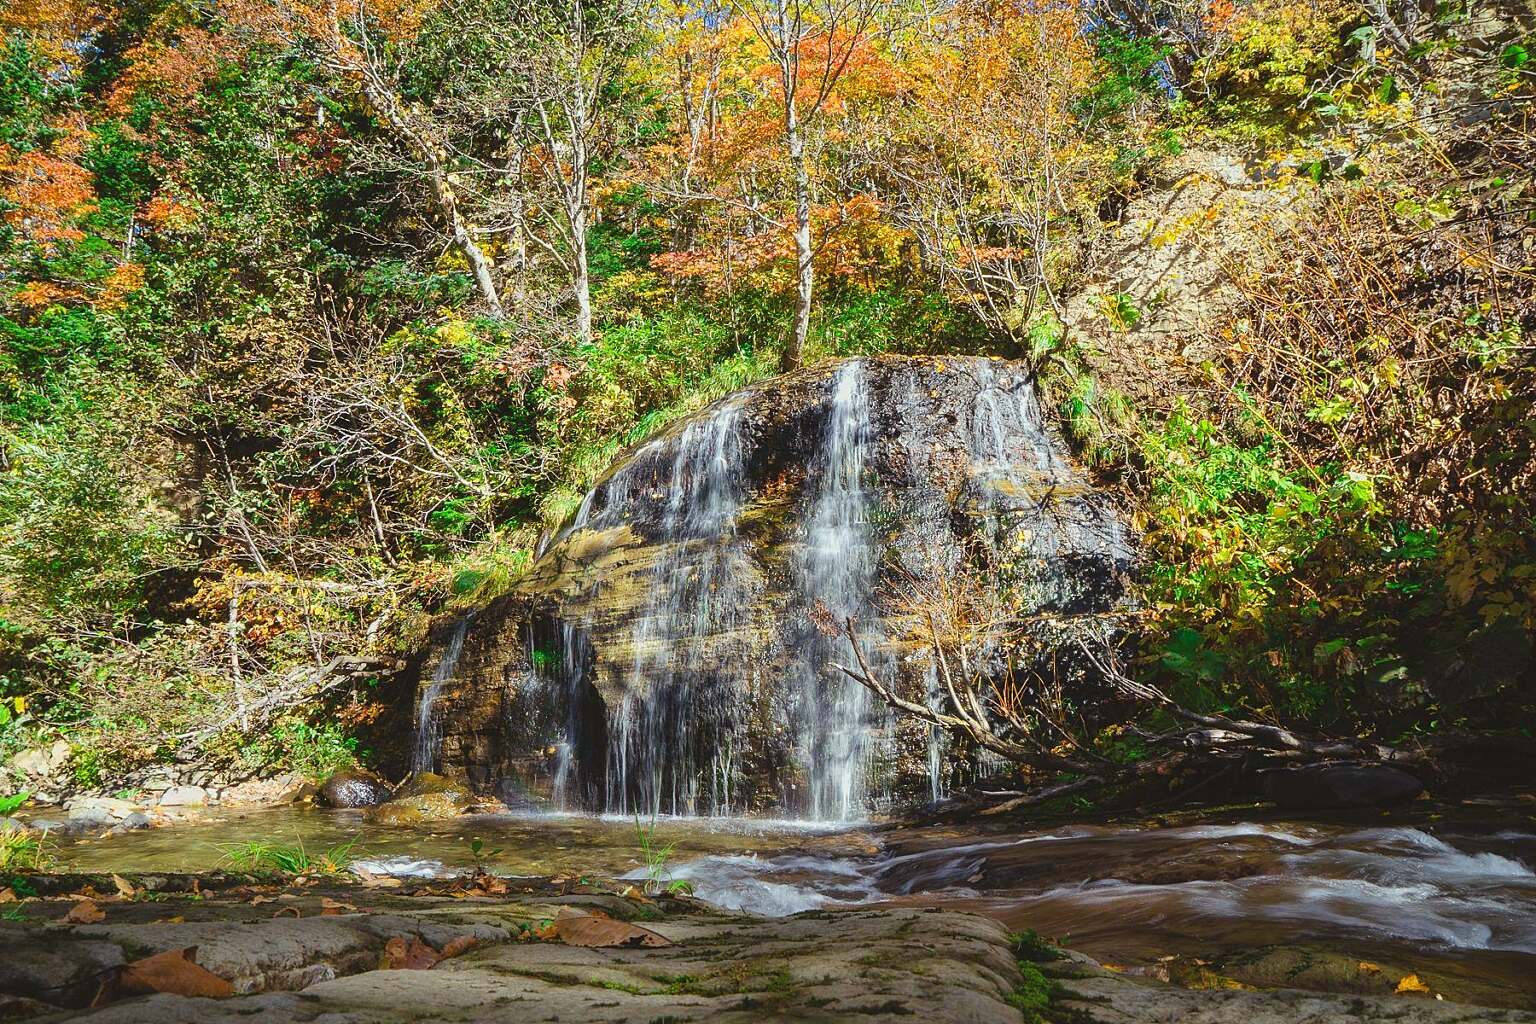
pixel 464 239
pixel 805 280
pixel 581 279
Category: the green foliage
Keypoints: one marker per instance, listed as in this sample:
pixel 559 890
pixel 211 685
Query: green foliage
pixel 23 851
pixel 15 800
pixel 313 751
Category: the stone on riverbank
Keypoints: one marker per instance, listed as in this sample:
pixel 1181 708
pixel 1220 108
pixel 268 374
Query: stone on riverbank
pixel 1340 785
pixel 352 789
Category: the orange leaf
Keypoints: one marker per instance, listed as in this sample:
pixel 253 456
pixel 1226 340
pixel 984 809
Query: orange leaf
pixel 412 955
pixel 589 930
pixel 1412 983
pixel 459 944
pixel 85 912
pixel 175 971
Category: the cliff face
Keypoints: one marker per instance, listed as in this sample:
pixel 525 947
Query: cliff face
pixel 672 649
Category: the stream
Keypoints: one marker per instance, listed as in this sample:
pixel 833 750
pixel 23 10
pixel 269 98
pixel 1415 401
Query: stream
pixel 1273 902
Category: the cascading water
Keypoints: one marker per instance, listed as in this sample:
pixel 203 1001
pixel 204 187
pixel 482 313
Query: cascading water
pixel 427 732
pixel 836 576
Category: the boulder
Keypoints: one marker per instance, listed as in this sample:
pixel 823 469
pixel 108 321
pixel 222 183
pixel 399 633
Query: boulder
pixel 429 784
pixel 1324 786
pixel 100 809
pixel 184 796
pixel 352 789
pixel 413 810
pixel 134 821
pixel 42 762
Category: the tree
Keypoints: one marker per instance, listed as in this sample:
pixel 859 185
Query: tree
pixel 366 48
pixel 809 43
pixel 574 56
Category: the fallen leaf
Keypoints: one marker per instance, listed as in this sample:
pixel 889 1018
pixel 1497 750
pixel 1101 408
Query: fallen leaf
pixel 288 910
pixel 401 954
pixel 85 912
pixel 125 888
pixel 333 908
pixel 1366 967
pixel 577 929
pixel 7 896
pixel 178 919
pixel 1412 983
pixel 457 945
pixel 176 971
pixel 382 882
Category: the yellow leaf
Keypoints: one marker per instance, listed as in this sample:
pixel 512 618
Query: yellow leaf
pixel 1411 983
pixel 1366 967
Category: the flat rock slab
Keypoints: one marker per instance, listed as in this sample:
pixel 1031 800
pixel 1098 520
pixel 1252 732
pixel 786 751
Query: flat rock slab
pixel 1088 994
pixel 867 966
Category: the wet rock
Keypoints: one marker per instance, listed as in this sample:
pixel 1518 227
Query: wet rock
pixel 184 796
pixel 424 783
pixel 9 825
pixel 1323 786
pixel 414 810
pixel 135 821
pixel 352 789
pixel 98 810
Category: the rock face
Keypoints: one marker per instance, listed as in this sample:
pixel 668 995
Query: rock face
pixel 672 649
pixel 1341 785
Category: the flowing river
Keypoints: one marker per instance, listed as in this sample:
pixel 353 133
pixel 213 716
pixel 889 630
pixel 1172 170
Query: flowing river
pixel 1269 902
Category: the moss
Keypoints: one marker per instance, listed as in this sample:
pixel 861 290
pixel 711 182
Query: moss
pixel 1033 994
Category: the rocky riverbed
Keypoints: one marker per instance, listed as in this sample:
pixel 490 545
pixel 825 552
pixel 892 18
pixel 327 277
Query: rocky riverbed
pixel 490 949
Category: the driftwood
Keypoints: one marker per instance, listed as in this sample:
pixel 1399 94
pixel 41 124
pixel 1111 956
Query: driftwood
pixel 1216 743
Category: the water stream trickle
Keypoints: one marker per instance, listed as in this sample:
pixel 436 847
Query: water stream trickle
pixel 670 736
pixel 424 758
pixel 836 574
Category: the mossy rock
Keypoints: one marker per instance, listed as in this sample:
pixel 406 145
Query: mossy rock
pixel 428 784
pixel 414 810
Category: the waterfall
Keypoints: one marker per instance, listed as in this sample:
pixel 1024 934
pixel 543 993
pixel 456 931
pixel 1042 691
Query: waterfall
pixel 669 739
pixel 836 573
pixel 427 738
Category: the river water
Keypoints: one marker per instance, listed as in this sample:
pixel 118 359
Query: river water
pixel 1328 905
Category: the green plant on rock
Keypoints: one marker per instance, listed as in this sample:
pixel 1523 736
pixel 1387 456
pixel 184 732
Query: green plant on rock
pixel 261 857
pixel 655 857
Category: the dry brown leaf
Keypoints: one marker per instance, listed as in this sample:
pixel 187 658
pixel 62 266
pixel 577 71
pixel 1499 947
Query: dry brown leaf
pixel 7 896
pixel 458 945
pixel 1366 967
pixel 289 910
pixel 125 888
pixel 1412 983
pixel 333 908
pixel 177 972
pixel 602 931
pixel 401 954
pixel 85 912
pixel 382 882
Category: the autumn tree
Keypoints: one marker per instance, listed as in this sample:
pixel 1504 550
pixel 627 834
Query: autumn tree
pixel 809 45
